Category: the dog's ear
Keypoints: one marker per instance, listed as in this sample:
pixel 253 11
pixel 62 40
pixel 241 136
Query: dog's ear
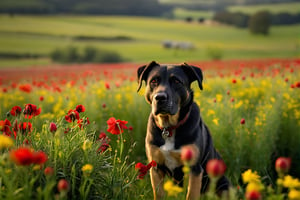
pixel 194 73
pixel 143 71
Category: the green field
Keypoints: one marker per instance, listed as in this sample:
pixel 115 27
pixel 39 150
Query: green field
pixel 39 35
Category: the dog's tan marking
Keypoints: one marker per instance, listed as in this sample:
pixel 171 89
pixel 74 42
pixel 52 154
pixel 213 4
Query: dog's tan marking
pixel 194 187
pixel 157 181
pixel 166 121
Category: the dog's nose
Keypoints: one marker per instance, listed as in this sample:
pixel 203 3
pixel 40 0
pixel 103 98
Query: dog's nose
pixel 161 96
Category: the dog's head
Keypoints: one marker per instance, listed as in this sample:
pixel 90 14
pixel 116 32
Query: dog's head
pixel 168 87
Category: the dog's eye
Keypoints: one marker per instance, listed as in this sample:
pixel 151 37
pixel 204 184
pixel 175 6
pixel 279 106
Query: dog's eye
pixel 176 80
pixel 154 82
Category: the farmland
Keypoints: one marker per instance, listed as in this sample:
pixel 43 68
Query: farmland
pixel 251 108
pixel 39 35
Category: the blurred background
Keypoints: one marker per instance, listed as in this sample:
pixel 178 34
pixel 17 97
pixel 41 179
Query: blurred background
pixel 46 32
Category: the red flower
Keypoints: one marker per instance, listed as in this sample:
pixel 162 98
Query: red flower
pixel 253 195
pixel 25 88
pixel 187 154
pixel 16 111
pixel 143 169
pixel 83 122
pixel 215 168
pixel 233 81
pixel 283 164
pixel 5 127
pixel 39 158
pixel 103 147
pixel 107 86
pixel 104 142
pixel 63 185
pixel 31 110
pixel 53 127
pixel 242 121
pixel 80 108
pixel 48 171
pixel 116 127
pixel 22 156
pixel 25 127
pixel 41 98
pixel 72 116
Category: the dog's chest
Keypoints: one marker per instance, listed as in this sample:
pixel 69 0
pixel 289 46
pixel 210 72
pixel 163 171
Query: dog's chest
pixel 171 155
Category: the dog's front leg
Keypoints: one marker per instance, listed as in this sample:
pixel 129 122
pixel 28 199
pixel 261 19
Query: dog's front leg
pixel 157 180
pixel 194 186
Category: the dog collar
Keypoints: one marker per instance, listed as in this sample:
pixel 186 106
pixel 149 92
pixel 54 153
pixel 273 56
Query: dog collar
pixel 168 131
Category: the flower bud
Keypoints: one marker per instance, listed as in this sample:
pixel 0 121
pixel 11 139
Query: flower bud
pixel 282 164
pixel 187 154
pixel 215 168
pixel 253 195
pixel 53 127
pixel 63 185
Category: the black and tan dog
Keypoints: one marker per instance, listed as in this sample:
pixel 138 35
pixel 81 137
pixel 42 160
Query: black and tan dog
pixel 175 123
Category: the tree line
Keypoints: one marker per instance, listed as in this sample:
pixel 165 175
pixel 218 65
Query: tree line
pixel 105 7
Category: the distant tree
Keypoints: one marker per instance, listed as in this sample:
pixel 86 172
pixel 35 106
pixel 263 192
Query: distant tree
pixel 260 23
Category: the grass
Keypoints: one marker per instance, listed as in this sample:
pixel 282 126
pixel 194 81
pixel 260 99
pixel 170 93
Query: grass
pixel 42 34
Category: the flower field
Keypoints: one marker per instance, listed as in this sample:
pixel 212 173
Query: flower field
pixel 77 132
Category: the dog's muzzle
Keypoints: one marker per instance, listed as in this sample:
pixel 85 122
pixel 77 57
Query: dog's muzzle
pixel 162 104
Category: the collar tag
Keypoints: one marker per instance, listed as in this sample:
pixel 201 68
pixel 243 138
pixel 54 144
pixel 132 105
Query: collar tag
pixel 165 133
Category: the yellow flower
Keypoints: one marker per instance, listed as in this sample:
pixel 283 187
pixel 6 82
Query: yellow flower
pixel 210 112
pixel 254 186
pixel 249 176
pixel 5 142
pixel 290 182
pixel 294 194
pixel 171 188
pixel 86 145
pixel 219 97
pixel 87 168
pixel 216 121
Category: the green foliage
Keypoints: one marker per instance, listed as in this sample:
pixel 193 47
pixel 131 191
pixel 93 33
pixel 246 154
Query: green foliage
pixel 260 23
pixel 71 54
pixel 214 52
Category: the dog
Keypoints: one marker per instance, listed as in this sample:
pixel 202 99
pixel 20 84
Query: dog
pixel 175 123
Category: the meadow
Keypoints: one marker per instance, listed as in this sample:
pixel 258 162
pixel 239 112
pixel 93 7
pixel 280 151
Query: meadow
pixel 136 39
pixel 64 140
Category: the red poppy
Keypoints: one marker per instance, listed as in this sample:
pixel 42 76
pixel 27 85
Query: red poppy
pixel 48 171
pixel 116 127
pixel 31 110
pixel 25 127
pixel 5 127
pixel 253 195
pixel 63 185
pixel 16 111
pixel 215 168
pixel 187 154
pixel 104 142
pixel 83 122
pixel 283 164
pixel 103 147
pixel 53 127
pixel 72 116
pixel 80 108
pixel 25 88
pixel 143 169
pixel 243 121
pixel 39 157
pixel 22 156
